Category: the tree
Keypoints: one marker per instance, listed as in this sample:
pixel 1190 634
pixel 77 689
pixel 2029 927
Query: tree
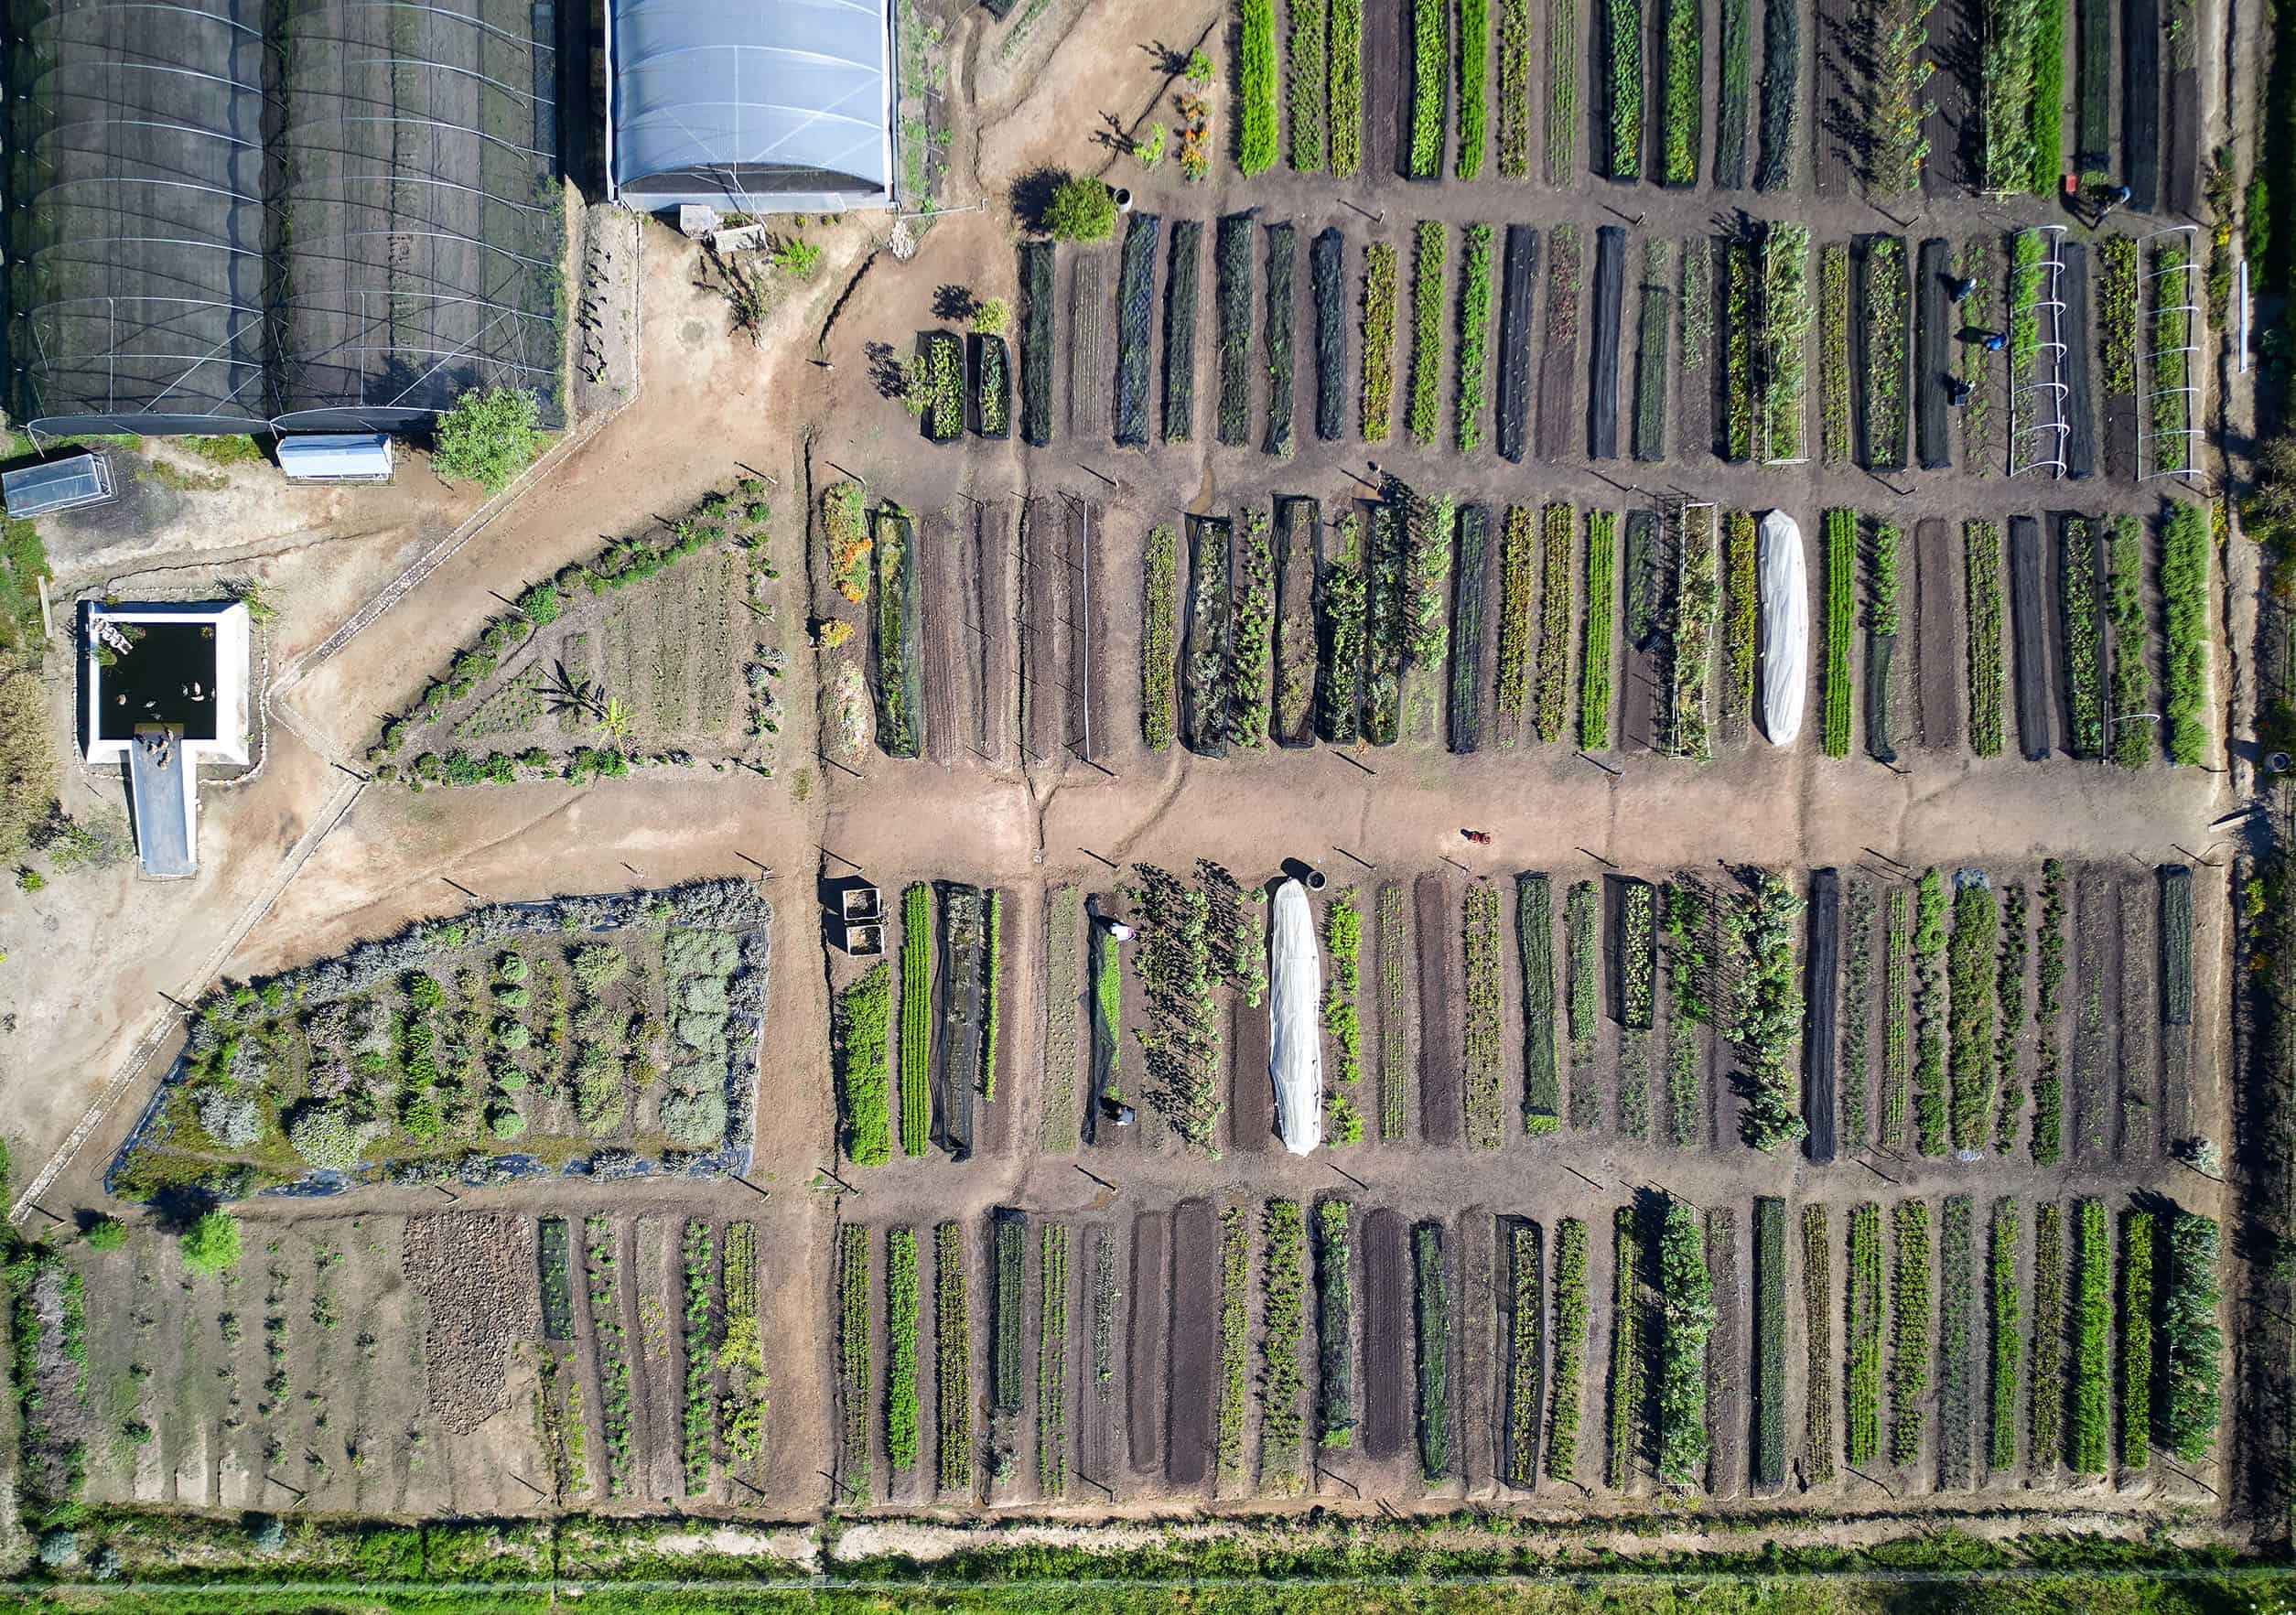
pixel 106 1234
pixel 489 436
pixel 1081 210
pixel 212 1244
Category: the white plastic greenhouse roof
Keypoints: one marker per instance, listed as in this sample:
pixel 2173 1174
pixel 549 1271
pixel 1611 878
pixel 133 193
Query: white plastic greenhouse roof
pixel 750 106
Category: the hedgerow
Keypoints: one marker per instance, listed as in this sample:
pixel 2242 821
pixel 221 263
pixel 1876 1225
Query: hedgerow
pixel 1427 327
pixel 2184 584
pixel 1685 1319
pixel 1911 1288
pixel 1379 340
pixel 1570 1347
pixel 1474 321
pixel 1255 148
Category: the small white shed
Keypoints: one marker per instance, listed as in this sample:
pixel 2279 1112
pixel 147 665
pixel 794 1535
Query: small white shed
pixel 337 458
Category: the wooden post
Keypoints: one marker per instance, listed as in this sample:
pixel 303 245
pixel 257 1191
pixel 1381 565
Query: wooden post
pixel 48 620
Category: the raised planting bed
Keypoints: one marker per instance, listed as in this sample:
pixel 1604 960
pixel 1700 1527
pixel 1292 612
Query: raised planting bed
pixel 1442 1119
pixel 1684 100
pixel 1885 304
pixel 2185 585
pixel 1619 133
pixel 992 387
pixel 1135 319
pixel 1535 942
pixel 1232 262
pixel 1435 1331
pixel 2089 1437
pixel 1686 1322
pixel 2093 86
pixel 1786 323
pixel 1471 571
pixel 1841 617
pixel 1485 1055
pixel 1340 613
pixel 1036 342
pixel 1817 1335
pixel 1884 596
pixel 1769 1356
pixel 1146 1353
pixel 1697 615
pixel 1205 696
pixel 1334 1327
pixel 1052 1289
pixel 1741 299
pixel 901 709
pixel 1519 287
pixel 1565 51
pixel 2140 102
pixel 2035 626
pixel 2134 1327
pixel 1862 1373
pixel 2192 1344
pixel 1194 1379
pixel 965 984
pixel 2080 408
pixel 1653 355
pixel 1956 1365
pixel 1835 339
pixel 1471 385
pixel 1821 1048
pixel 1394 1013
pixel 1629 1325
pixel 1326 260
pixel 1383 630
pixel 1473 77
pixel 940 357
pixel 2169 369
pixel 1422 136
pixel 2004 1320
pixel 916 1018
pixel 2130 738
pixel 1514 91
pixel 1347 87
pixel 1598 660
pixel 1427 330
pixel 1307 84
pixel 2116 351
pixel 1984 604
pixel 900 1334
pixel 1283 257
pixel 1523 1346
pixel 1733 95
pixel 1912 1281
pixel 1159 654
pixel 855 1361
pixel 2176 945
pixel 1781 94
pixel 1558 403
pixel 1570 1349
pixel 1933 338
pixel 2047 1404
pixel 1378 409
pixel 1232 1410
pixel 1634 965
pixel 1255 72
pixel 1251 625
pixel 1388 1398
pixel 1610 284
pixel 1519 581
pixel 1180 330
pixel 2081 614
pixel 1298 527
pixel 1550 688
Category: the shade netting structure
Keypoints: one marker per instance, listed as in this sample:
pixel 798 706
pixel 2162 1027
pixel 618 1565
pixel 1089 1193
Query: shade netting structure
pixel 1295 1000
pixel 784 107
pixel 247 215
pixel 1783 591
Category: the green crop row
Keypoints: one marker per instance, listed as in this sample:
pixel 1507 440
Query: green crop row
pixel 1252 618
pixel 1883 582
pixel 1689 922
pixel 1818 1320
pixel 1684 99
pixel 2048 1338
pixel 1334 1327
pixel 2084 637
pixel 2007 112
pixel 1474 48
pixel 1974 262
pixel 1431 70
pixel 1158 644
pixel 1737 356
pixel 1307 85
pixel 1518 575
pixel 1284 1307
pixel 2004 1326
pixel 916 1018
pixel 1485 1063
pixel 1009 1289
pixel 1433 1317
pixel 1255 68
pixel 953 1362
pixel 1887 290
pixel 1626 1351
pixel 741 1414
pixel 1570 1347
pixel 1583 918
pixel 700 1423
pixel 1052 1360
pixel 900 1358
pixel 2009 993
pixel 2045 21
pixel 860 1039
pixel 1857 1012
pixel 2136 1339
pixel 1638 953
pixel 2185 585
pixel 1863 1375
pixel 1379 340
pixel 1527 1320
pixel 1833 355
pixel 2191 1342
pixel 1395 1025
pixel 993 999
pixel 1697 609
pixel 1841 621
pixel 1347 87
pixel 1984 637
pixel 1785 326
pixel 2128 735
pixel 1235 1278
pixel 1911 1295
pixel 1973 969
pixel 854 1364
pixel 1515 92
pixel 1697 302
pixel 2172 408
pixel 1344 942
pixel 1686 1317
pixel 1740 639
pixel 1562 92
pixel 1535 944
pixel 1426 325
pixel 2090 1446
pixel 1558 524
pixel 1769 1455
pixel 1594 683
pixel 2116 315
pixel 1626 88
pixel 1474 321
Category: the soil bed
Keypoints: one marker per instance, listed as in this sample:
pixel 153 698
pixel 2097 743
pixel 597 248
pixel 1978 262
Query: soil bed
pixel 1387 1393
pixel 2140 102
pixel 2031 608
pixel 1195 1360
pixel 1932 354
pixel 1145 1358
pixel 1437 924
pixel 1936 556
pixel 1326 264
pixel 1821 1047
pixel 2080 409
pixel 1610 285
pixel 1470 678
pixel 1517 295
pixel 1558 362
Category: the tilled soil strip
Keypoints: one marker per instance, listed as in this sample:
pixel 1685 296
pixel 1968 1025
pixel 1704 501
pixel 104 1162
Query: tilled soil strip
pixel 1932 354
pixel 1086 551
pixel 1252 1091
pixel 2093 988
pixel 1146 1366
pixel 1441 1120
pixel 1042 606
pixel 1088 378
pixel 1726 1356
pixel 2140 102
pixel 1194 1291
pixel 1558 410
pixel 1821 1047
pixel 947 672
pixel 1387 1393
pixel 1952 127
pixel 2034 619
pixel 1937 568
pixel 1842 34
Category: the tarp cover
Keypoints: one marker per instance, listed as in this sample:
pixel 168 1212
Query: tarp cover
pixel 361 456
pixel 1785 629
pixel 1295 1002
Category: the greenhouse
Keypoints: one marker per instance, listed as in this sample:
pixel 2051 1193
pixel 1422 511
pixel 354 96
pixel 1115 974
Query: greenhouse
pixel 248 215
pixel 751 109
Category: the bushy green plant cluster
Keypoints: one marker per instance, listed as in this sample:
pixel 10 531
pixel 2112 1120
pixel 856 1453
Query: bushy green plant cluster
pixel 1430 71
pixel 1347 87
pixel 1625 41
pixel 1912 1288
pixel 901 1348
pixel 860 1041
pixel 1343 942
pixel 2185 587
pixel 1473 379
pixel 1863 1377
pixel 1230 1408
pixel 1841 619
pixel 1427 325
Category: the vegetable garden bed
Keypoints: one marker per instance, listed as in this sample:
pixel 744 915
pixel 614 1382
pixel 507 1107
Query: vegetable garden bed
pixel 1534 941
pixel 1379 342
pixel 992 388
pixel 1521 1343
pixel 1036 342
pixel 1204 695
pixel 1232 257
pixel 1770 1326
pixel 1822 1046
pixel 1251 625
pixel 2035 625
pixel 1620 131
pixel 1135 315
pixel 900 710
pixel 940 355
pixel 1327 258
pixel 1653 352
pixel 1283 254
pixel 1558 410
pixel 1520 272
pixel 1340 609
pixel 1471 383
pixel 1610 284
pixel 1298 529
pixel 1885 304
pixel 1435 1332
pixel 1781 93
pixel 1470 678
pixel 1180 330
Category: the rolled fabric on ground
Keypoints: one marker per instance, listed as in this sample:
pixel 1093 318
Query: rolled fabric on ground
pixel 1785 594
pixel 1295 1006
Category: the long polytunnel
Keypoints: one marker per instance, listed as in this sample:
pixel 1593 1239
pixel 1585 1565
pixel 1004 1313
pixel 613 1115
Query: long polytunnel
pixel 240 215
pixel 750 108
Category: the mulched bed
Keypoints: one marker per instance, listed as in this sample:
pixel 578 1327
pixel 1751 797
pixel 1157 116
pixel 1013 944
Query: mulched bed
pixel 1932 353
pixel 1518 293
pixel 1472 650
pixel 1726 1356
pixel 1388 1395
pixel 1099 1438
pixel 1654 320
pixel 1327 269
pixel 1782 132
pixel 1610 285
pixel 2093 1001
pixel 956 1009
pixel 1559 360
pixel 2032 618
pixel 1036 342
pixel 1436 918
pixel 1194 1288
pixel 1821 1046
pixel 1180 330
pixel 1145 1354
pixel 2093 75
pixel 1298 527
pixel 2140 102
pixel 1136 318
pixel 1843 36
pixel 1251 1091
pixel 1935 556
pixel 2080 408
pixel 944 672
pixel 1952 127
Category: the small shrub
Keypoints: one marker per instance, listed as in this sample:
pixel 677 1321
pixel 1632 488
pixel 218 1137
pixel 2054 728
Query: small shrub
pixel 1081 210
pixel 212 1244
pixel 489 436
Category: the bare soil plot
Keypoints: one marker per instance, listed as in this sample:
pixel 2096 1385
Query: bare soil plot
pixel 1252 1092
pixel 2140 102
pixel 1610 283
pixel 2033 617
pixel 1939 634
pixel 1387 1309
pixel 1441 1119
pixel 1517 317
pixel 1932 353
pixel 1147 1342
pixel 2093 989
pixel 1844 31
pixel 1195 1341
pixel 1821 1048
pixel 2080 404
pixel 1953 126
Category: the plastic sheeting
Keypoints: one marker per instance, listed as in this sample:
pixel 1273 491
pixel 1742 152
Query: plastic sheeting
pixel 1785 628
pixel 1295 1004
